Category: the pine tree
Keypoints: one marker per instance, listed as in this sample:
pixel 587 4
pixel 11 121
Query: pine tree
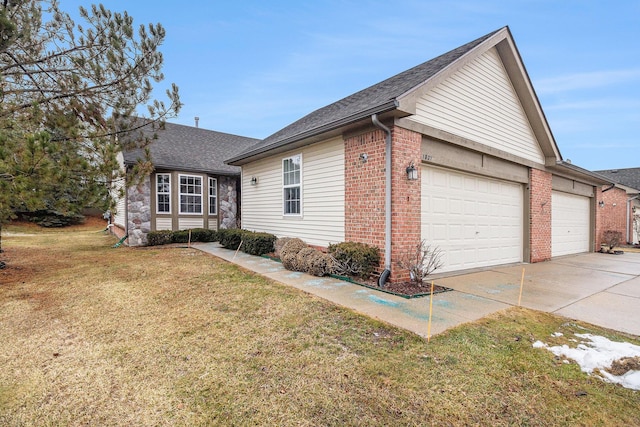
pixel 69 100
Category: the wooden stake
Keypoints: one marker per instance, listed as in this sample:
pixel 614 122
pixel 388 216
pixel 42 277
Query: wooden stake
pixel 521 284
pixel 430 311
pixel 234 255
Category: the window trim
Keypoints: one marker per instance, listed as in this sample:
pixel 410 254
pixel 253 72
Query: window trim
pixel 163 193
pixel 215 204
pixel 285 187
pixel 180 194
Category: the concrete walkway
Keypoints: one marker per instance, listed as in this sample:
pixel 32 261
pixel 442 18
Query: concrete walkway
pixel 596 288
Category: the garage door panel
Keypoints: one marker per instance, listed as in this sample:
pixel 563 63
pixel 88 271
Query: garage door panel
pixel 570 223
pixel 475 221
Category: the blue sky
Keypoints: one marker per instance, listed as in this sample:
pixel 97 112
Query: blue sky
pixel 252 67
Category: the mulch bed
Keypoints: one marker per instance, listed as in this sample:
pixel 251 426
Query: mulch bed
pixel 401 289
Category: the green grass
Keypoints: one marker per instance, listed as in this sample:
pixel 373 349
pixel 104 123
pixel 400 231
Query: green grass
pixel 172 336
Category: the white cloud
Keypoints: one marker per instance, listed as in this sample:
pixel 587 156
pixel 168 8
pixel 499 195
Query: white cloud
pixel 588 80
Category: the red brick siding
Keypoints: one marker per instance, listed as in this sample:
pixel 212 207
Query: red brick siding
pixel 406 198
pixel 365 188
pixel 613 215
pixel 540 215
pixel 365 193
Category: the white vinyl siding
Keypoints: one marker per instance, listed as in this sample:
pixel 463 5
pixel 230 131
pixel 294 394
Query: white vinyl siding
pixel 187 223
pixel 475 221
pixel 570 223
pixel 119 218
pixel 163 193
pixel 213 224
pixel 164 224
pixel 322 219
pixel 190 193
pixel 213 196
pixel 479 103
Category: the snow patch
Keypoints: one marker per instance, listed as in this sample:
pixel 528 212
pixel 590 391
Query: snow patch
pixel 596 353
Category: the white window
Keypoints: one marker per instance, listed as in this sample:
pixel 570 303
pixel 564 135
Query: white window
pixel 291 185
pixel 163 193
pixel 213 196
pixel 190 194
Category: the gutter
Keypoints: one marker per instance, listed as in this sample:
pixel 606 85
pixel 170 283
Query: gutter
pixel 581 172
pixel 382 108
pixel 387 202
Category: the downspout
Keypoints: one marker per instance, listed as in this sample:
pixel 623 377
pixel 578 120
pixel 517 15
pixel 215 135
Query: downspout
pixel 629 200
pixel 387 203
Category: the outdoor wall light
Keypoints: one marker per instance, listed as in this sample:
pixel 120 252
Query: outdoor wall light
pixel 412 172
pixel 601 203
pixel 254 180
pixel 364 157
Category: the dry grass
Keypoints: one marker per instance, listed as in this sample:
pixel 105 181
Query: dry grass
pixel 91 335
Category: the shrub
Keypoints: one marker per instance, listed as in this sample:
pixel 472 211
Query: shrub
pixel 181 236
pixel 354 259
pixel 421 260
pixel 612 238
pixel 203 235
pixel 319 263
pixel 230 238
pixel 279 244
pixel 162 237
pixel 289 253
pixel 304 258
pixel 258 243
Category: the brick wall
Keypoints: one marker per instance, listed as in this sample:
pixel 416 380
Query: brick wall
pixel 613 215
pixel 365 193
pixel 406 198
pixel 364 189
pixel 540 215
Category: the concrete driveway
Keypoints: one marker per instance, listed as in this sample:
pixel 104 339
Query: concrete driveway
pixel 596 288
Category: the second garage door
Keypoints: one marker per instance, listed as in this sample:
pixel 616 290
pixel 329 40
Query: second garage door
pixel 476 221
pixel 570 223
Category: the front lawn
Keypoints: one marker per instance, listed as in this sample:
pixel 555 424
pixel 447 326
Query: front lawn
pixel 91 335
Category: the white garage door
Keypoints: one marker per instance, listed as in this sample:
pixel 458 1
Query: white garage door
pixel 475 221
pixel 570 223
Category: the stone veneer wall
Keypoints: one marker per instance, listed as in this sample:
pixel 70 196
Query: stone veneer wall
pixel 227 186
pixel 139 213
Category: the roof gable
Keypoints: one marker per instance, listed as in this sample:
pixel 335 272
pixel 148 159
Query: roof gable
pixel 401 92
pixel 378 98
pixel 478 103
pixel 187 148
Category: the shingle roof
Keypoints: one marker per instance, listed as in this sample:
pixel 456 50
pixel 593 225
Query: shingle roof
pixel 188 148
pixel 377 98
pixel 629 177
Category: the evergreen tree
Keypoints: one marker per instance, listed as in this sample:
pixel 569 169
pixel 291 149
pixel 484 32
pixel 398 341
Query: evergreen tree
pixel 69 100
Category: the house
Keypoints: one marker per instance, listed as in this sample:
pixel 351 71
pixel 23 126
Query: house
pixel 190 186
pixel 621 203
pixel 455 151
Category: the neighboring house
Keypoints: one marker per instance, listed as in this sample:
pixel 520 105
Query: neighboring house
pixel 621 209
pixel 455 151
pixel 190 187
